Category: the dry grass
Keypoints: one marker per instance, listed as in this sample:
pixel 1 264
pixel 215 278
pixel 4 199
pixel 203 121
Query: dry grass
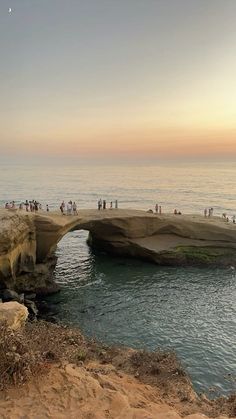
pixel 18 360
pixel 28 351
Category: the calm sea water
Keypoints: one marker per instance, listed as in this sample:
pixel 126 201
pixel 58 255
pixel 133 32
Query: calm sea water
pixel 187 187
pixel 131 302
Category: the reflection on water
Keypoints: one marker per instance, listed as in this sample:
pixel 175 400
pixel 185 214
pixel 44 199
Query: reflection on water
pixel 138 304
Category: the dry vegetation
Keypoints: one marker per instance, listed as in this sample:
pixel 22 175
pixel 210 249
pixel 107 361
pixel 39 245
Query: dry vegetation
pixel 25 352
pixel 33 349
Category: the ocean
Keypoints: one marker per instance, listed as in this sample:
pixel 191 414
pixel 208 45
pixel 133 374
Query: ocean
pixel 130 302
pixel 188 187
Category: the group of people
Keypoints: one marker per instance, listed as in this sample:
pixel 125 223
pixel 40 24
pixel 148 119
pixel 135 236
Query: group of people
pixel 70 208
pixel 208 212
pixel 102 204
pixel 29 206
pixel 176 212
pixel 224 215
pixel 158 210
pixel 10 205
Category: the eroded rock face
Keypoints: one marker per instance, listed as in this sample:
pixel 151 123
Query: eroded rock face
pixel 17 247
pixel 169 240
pixel 40 281
pixel 14 314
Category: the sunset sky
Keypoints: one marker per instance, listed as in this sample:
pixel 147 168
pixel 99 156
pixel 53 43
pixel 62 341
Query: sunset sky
pixel 105 78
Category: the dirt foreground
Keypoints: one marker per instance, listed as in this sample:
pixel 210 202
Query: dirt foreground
pixel 52 371
pixel 91 392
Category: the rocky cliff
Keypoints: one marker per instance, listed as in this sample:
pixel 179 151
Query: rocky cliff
pixel 19 267
pixel 17 247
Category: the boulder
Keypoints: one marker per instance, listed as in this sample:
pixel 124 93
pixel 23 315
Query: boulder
pixel 14 314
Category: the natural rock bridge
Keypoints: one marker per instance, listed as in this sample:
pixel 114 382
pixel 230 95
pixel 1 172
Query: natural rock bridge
pixel 28 241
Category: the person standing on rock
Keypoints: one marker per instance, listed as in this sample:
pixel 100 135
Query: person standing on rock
pixel 104 204
pixel 74 207
pixel 62 209
pixel 63 205
pixel 69 208
pixel 99 204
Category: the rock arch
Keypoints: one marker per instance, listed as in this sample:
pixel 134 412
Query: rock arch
pixel 105 227
pixel 27 241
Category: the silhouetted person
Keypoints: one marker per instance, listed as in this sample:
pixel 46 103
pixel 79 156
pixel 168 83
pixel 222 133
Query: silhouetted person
pixel 74 207
pixel 99 204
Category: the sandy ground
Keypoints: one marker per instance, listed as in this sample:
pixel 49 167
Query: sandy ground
pixel 94 392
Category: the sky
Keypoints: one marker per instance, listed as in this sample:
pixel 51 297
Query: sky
pixel 118 78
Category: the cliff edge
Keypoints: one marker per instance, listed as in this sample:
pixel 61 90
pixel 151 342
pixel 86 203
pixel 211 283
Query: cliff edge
pixel 55 372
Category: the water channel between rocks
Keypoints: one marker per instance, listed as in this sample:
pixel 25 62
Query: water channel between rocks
pixel 138 304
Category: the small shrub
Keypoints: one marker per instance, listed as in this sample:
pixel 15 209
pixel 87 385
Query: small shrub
pixel 17 359
pixel 82 355
pixel 30 350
